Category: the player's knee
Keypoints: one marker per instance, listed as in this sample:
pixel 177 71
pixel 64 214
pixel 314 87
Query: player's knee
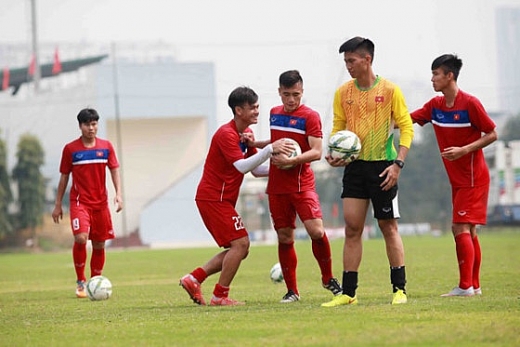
pixel 98 244
pixel 316 234
pixel 81 238
pixel 285 235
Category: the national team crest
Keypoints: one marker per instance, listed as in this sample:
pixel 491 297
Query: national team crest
pixel 380 98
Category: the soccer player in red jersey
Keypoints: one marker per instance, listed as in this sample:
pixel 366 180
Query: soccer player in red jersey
pixel 228 159
pixel 86 159
pixel 462 127
pixel 292 191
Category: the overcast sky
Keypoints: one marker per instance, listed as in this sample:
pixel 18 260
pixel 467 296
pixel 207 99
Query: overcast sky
pixel 252 42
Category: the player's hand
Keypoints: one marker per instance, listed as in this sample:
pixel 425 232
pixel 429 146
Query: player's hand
pixel 453 153
pixel 118 202
pixel 282 147
pixel 391 174
pixel 336 162
pixel 248 138
pixel 57 214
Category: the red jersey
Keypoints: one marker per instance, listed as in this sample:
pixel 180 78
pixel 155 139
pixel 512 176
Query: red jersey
pixel 298 125
pixel 456 127
pixel 88 168
pixel 221 180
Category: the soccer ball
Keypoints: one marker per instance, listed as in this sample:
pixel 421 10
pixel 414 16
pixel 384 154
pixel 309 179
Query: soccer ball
pixel 345 145
pixel 99 288
pixel 276 273
pixel 297 151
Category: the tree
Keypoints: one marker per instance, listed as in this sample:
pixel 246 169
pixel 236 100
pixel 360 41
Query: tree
pixel 511 129
pixel 31 183
pixel 6 196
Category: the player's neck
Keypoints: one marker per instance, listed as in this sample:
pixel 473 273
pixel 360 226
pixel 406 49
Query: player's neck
pixel 450 94
pixel 88 142
pixel 366 82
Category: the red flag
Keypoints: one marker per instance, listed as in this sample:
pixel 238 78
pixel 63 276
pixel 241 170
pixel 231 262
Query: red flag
pixel 56 67
pixel 5 80
pixel 32 66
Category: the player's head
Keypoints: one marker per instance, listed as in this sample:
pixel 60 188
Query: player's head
pixel 290 90
pixel 359 45
pixel 448 63
pixel 240 97
pixel 87 115
pixel 290 78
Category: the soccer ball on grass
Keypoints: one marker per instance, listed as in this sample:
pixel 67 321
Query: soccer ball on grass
pixel 276 273
pixel 99 288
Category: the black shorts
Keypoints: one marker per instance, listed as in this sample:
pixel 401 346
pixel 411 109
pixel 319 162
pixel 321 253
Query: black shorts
pixel 361 181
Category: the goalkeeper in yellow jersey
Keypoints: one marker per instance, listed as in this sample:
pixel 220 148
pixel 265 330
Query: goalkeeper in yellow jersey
pixel 372 107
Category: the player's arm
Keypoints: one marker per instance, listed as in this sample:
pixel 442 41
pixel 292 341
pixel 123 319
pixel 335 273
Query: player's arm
pixel 116 181
pixel 248 164
pixel 402 119
pixel 392 172
pixel 339 121
pixel 57 213
pixel 314 153
pixel 454 153
pixel 251 142
pixel 261 171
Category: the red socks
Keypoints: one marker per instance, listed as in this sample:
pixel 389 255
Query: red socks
pixel 466 257
pixel 321 251
pixel 288 261
pixel 97 262
pixel 221 291
pixel 476 264
pixel 79 257
pixel 199 274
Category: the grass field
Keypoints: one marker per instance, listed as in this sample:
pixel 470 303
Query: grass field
pixel 148 308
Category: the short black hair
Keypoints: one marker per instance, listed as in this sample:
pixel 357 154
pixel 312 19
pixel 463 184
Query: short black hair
pixel 87 115
pixel 241 96
pixel 448 63
pixel 290 78
pixel 356 44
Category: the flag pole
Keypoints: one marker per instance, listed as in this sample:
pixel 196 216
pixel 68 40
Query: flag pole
pixel 37 72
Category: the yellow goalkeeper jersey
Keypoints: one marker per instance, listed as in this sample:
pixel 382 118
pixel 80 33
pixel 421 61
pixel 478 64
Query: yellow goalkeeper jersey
pixel 373 114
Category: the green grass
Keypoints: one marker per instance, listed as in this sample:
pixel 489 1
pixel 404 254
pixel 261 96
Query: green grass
pixel 148 308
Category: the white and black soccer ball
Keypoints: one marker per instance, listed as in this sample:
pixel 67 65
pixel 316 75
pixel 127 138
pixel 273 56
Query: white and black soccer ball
pixel 276 273
pixel 345 145
pixel 297 151
pixel 99 288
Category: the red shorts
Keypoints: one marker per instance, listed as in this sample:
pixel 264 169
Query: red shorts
pixel 285 207
pixel 470 204
pixel 97 222
pixel 222 221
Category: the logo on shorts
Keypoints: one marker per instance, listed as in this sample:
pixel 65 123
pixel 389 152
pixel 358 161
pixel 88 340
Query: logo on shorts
pixel 387 209
pixel 461 213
